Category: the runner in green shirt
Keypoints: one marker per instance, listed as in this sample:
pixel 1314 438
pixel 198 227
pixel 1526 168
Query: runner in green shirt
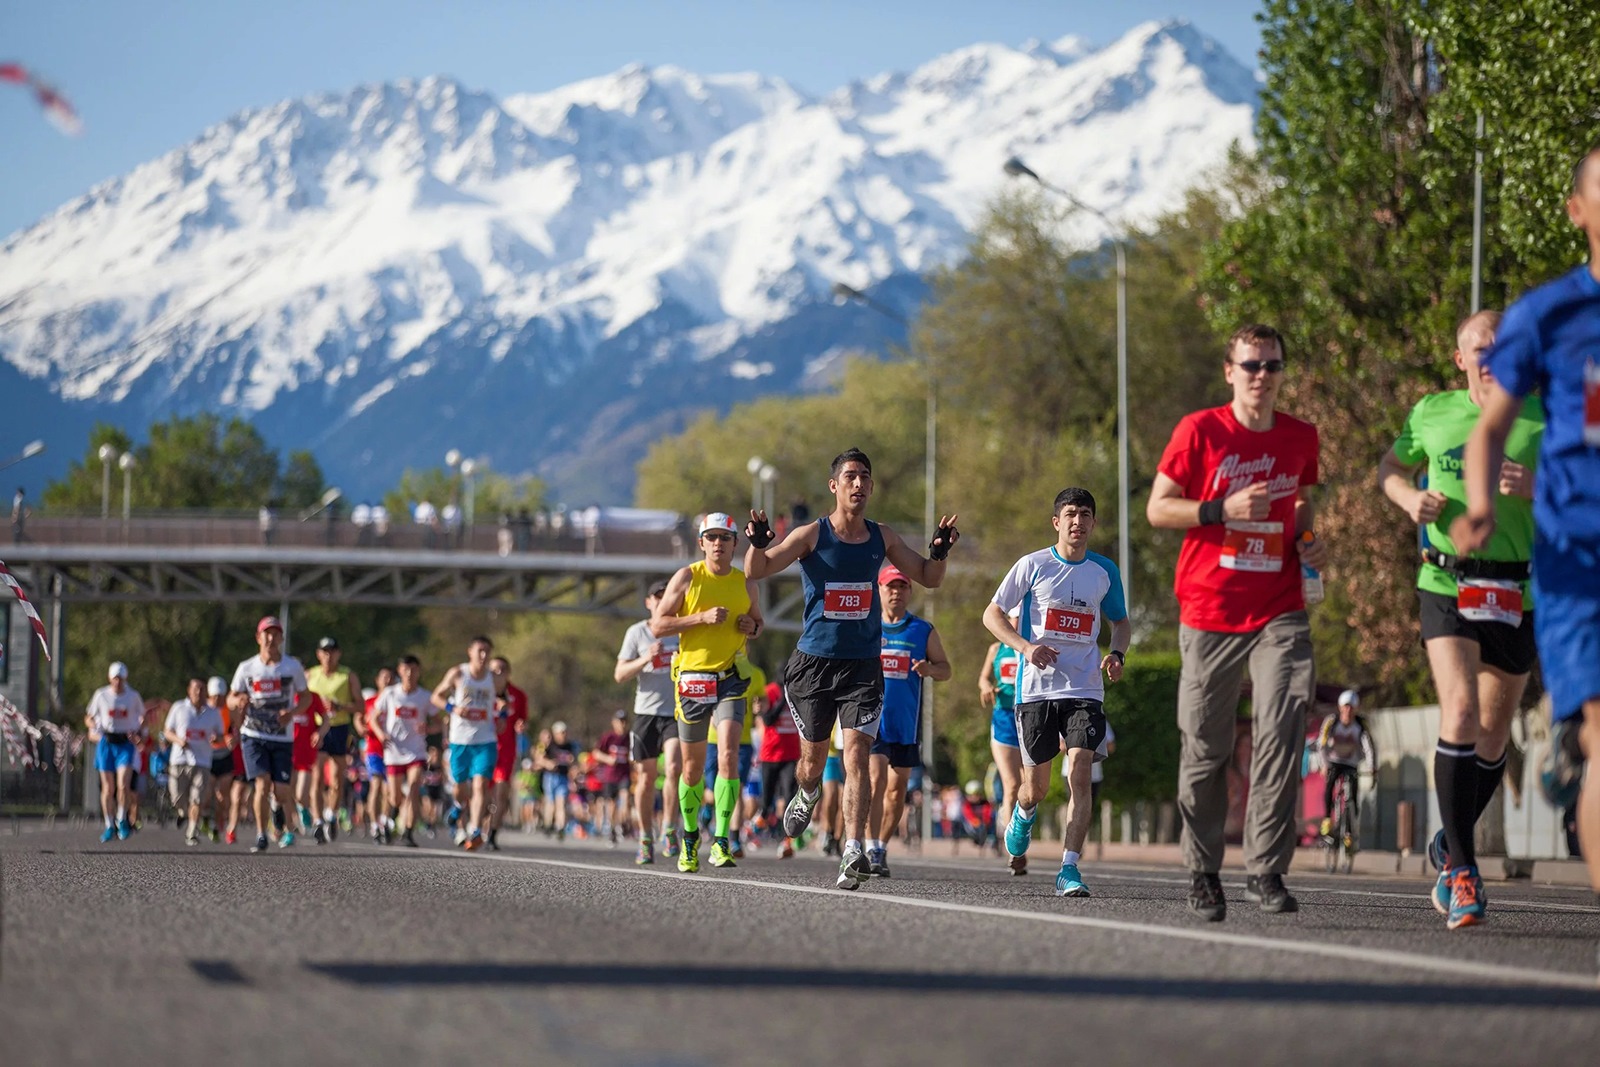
pixel 1477 612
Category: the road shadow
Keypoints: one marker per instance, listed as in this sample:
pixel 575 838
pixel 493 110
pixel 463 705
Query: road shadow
pixel 657 976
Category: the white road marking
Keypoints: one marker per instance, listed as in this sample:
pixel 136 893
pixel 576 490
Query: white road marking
pixel 1408 960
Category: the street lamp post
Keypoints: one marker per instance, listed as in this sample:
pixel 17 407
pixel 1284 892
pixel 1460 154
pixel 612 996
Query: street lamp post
pixel 126 462
pixel 468 469
pixel 107 454
pixel 1018 169
pixel 29 450
pixel 769 480
pixel 754 467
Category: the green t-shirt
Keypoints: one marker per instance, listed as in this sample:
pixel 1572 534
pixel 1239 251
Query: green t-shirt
pixel 1436 431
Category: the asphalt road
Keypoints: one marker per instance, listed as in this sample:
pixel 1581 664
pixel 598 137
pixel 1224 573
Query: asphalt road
pixel 146 952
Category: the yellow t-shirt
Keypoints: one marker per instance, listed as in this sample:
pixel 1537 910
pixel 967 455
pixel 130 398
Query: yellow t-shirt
pixel 712 648
pixel 334 688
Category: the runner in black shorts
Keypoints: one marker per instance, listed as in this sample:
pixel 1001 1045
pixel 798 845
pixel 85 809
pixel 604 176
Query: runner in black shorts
pixel 647 660
pixel 835 674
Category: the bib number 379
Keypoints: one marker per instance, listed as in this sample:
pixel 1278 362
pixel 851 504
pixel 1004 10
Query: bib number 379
pixel 847 601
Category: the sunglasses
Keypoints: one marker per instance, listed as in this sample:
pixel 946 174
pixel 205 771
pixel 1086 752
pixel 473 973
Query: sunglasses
pixel 1256 366
pixel 713 536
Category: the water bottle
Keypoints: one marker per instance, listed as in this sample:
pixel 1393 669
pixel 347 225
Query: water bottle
pixel 1310 579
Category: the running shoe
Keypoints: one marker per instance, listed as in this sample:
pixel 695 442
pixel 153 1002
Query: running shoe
pixel 123 829
pixel 475 842
pixel 830 845
pixel 1205 897
pixel 212 835
pixel 878 862
pixel 460 836
pixel 853 868
pixel 738 847
pixel 453 817
pixel 1441 893
pixel 1268 891
pixel 190 840
pixel 1561 777
pixel 1466 898
pixel 261 843
pixel 786 850
pixel 1019 832
pixel 279 823
pixel 233 837
pixel 669 843
pixel 320 835
pixel 344 822
pixel 721 854
pixel 333 828
pixel 1018 864
pixel 409 840
pixel 1069 883
pixel 613 837
pixel 493 841
pixel 287 839
pixel 1439 852
pixel 109 834
pixel 797 816
pixel 646 854
pixel 689 859
pixel 305 817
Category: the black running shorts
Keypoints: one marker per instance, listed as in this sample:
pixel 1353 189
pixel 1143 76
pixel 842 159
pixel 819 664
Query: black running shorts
pixel 823 691
pixel 1044 725
pixel 1503 647
pixel 649 735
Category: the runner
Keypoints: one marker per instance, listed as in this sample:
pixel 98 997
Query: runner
pixel 400 719
pixel 1063 596
pixel 911 652
pixel 304 740
pixel 712 608
pixel 556 761
pixel 611 753
pixel 340 691
pixel 1477 613
pixel 779 755
pixel 1549 342
pixel 115 716
pixel 467 692
pixel 268 690
pixel 1234 478
pixel 835 675
pixel 510 721
pixel 372 752
pixel 997 689
pixel 647 661
pixel 191 727
pixel 223 803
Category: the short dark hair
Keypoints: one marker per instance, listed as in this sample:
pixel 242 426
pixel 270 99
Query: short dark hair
pixel 1081 498
pixel 480 640
pixel 500 659
pixel 1256 333
pixel 1577 168
pixel 849 455
pixel 195 679
pixel 407 660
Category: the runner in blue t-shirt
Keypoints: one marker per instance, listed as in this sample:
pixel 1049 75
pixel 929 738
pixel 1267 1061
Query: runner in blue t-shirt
pixel 1549 342
pixel 1062 594
pixel 911 652
pixel 835 674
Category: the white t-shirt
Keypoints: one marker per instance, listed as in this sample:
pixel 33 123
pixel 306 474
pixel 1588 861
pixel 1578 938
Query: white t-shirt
pixel 271 687
pixel 404 717
pixel 116 713
pixel 472 717
pixel 1062 603
pixel 197 726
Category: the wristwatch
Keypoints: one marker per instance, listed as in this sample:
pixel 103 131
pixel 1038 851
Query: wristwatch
pixel 1121 656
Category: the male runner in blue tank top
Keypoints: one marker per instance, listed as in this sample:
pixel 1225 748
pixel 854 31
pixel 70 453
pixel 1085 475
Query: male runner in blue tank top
pixel 835 673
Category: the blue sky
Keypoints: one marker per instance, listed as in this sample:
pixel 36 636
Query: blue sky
pixel 149 75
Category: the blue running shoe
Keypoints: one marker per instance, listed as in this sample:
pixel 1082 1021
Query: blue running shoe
pixel 287 839
pixel 1466 898
pixel 305 817
pixel 1069 883
pixel 109 833
pixel 454 817
pixel 1561 776
pixel 123 829
pixel 1439 853
pixel 1441 893
pixel 1019 832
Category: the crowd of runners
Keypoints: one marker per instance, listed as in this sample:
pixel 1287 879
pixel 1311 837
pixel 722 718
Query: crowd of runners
pixel 1508 513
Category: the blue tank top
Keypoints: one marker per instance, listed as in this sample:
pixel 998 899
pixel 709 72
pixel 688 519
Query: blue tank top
pixel 842 618
pixel 904 643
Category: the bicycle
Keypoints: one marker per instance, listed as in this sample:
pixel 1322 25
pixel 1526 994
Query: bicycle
pixel 1343 838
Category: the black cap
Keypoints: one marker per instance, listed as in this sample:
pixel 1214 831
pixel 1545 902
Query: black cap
pixel 658 589
pixel 327 643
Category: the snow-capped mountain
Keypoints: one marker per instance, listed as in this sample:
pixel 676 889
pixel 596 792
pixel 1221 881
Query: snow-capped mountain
pixel 552 280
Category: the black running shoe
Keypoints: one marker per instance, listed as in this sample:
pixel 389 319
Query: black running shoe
pixel 1205 897
pixel 1268 891
pixel 261 843
pixel 853 868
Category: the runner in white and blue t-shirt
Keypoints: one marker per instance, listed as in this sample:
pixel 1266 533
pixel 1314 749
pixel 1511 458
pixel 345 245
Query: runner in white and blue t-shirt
pixel 1062 594
pixel 1549 342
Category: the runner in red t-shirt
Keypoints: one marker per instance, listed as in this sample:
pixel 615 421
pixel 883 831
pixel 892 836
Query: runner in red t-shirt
pixel 779 755
pixel 1234 479
pixel 303 758
pixel 510 723
pixel 372 756
pixel 611 771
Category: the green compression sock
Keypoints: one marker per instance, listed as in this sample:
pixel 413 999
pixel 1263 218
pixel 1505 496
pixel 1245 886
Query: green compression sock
pixel 689 805
pixel 726 792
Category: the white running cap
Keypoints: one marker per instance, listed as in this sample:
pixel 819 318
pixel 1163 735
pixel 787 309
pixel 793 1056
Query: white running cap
pixel 1351 697
pixel 718 520
pixel 216 686
pixel 117 670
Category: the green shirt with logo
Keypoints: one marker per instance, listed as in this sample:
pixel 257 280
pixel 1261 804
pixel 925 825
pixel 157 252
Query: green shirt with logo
pixel 1436 431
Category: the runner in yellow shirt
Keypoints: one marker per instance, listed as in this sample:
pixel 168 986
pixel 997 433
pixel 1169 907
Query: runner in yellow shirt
pixel 340 691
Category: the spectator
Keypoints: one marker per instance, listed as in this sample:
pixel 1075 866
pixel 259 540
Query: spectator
pixel 450 517
pixel 505 537
pixel 267 517
pixel 425 515
pixel 361 518
pixel 19 516
pixel 380 524
pixel 522 529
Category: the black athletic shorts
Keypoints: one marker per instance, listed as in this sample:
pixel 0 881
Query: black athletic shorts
pixel 899 755
pixel 823 691
pixel 1503 647
pixel 1043 725
pixel 648 736
pixel 611 790
pixel 336 740
pixel 222 763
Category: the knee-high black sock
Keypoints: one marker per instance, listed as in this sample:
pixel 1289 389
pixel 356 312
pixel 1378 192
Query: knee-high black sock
pixel 1489 776
pixel 1455 781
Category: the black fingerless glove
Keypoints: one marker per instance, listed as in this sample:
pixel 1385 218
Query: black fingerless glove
pixel 759 533
pixel 943 540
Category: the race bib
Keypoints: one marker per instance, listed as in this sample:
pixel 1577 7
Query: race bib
pixel 474 714
pixel 697 685
pixel 1008 672
pixel 196 735
pixel 1064 624
pixel 1591 404
pixel 896 664
pixel 1481 600
pixel 661 660
pixel 847 601
pixel 1253 546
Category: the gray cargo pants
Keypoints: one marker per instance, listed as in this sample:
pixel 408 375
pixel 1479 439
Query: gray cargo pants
pixel 1282 679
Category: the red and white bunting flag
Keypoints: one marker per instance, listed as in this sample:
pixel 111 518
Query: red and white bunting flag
pixel 56 108
pixel 18 733
pixel 27 607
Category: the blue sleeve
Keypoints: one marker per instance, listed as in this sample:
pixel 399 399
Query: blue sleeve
pixel 1115 605
pixel 1516 357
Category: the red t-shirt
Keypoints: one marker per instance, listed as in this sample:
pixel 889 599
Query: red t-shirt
pixel 780 742
pixel 1238 576
pixel 505 722
pixel 373 747
pixel 613 744
pixel 305 725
